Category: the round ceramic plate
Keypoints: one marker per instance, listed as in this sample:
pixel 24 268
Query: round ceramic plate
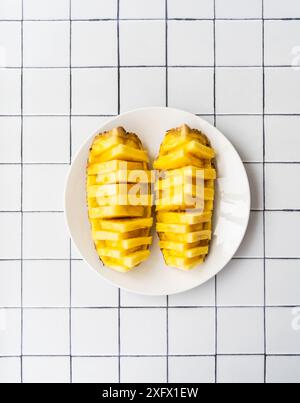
pixel 231 214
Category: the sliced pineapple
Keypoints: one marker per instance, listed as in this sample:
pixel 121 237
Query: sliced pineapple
pixel 116 177
pixel 185 197
pixel 119 199
pixel 184 218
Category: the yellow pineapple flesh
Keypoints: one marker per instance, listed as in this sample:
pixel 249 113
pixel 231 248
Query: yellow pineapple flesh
pixel 185 197
pixel 119 199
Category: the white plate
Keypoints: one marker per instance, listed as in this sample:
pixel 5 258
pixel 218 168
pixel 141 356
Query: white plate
pixel 231 216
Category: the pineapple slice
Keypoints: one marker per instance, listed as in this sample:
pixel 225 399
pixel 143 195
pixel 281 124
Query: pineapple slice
pixel 126 176
pixel 192 172
pixel 126 263
pixel 186 195
pixel 178 228
pixel 106 212
pixel 125 244
pixel 201 207
pixel 119 199
pixel 184 218
pixel 182 263
pixel 123 225
pixel 113 166
pixel 191 237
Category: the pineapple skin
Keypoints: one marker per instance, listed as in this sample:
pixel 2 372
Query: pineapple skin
pixel 185 228
pixel 121 232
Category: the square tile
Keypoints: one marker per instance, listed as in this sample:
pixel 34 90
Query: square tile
pixel 46 140
pixel 149 88
pixel 10 370
pixel 239 8
pixel 246 134
pixel 282 90
pixel 10 235
pixel 282 282
pixel 129 299
pixel 46 370
pixel 95 91
pixel 280 41
pixel 190 9
pixel 95 332
pixel 191 331
pixel 10 87
pixel 190 43
pixel 192 369
pixel 239 43
pixel 283 370
pixel 200 296
pixel 143 370
pixel 43 187
pixel 242 369
pixel 10 284
pixel 281 192
pixel 275 126
pixel 10 140
pixel 278 9
pixel 83 128
pixel 136 9
pixel 10 184
pixel 46 9
pixel 89 289
pixel 142 43
pixel 144 331
pixel 94 43
pixel 46 332
pixel 10 44
pixel 46 284
pixel 46 44
pixel 255 174
pixel 94 9
pixel 241 331
pixel 95 370
pixel 239 90
pixel 45 236
pixel 253 243
pixel 46 92
pixel 283 331
pixel 11 10
pixel 282 234
pixel 10 332
pixel 192 89
pixel 241 283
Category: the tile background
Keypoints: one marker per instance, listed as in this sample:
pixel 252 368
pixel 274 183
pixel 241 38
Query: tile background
pixel 66 66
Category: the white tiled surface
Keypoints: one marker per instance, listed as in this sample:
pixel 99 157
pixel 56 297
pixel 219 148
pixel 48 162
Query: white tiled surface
pixel 59 322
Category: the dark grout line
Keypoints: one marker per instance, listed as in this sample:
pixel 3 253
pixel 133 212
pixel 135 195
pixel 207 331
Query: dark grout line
pixel 154 355
pixel 215 123
pixel 162 307
pixel 264 191
pixel 149 66
pixel 258 19
pixel 22 186
pixel 219 114
pixel 167 104
pixel 81 260
pixel 70 157
pixel 119 111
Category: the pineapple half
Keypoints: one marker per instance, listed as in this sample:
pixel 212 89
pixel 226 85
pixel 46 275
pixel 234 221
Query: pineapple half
pixel 185 197
pixel 121 225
